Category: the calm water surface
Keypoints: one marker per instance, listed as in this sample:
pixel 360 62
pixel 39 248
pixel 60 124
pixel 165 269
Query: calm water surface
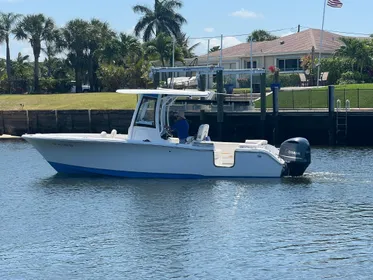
pixel 56 227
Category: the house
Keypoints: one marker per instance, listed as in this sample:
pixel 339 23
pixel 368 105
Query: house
pixel 285 52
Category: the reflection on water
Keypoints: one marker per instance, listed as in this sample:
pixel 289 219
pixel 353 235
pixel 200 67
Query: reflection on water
pixel 77 227
pixel 64 180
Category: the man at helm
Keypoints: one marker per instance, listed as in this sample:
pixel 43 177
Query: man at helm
pixel 181 126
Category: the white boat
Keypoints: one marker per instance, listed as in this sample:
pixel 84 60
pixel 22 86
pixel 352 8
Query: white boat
pixel 148 150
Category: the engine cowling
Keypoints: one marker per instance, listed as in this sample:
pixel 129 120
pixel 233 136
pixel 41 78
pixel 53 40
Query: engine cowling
pixel 296 152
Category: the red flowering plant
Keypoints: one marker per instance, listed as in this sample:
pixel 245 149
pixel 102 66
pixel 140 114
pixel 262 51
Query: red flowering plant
pixel 275 71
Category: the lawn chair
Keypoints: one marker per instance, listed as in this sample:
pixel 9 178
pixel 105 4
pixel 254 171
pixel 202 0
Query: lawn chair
pixel 303 80
pixel 324 78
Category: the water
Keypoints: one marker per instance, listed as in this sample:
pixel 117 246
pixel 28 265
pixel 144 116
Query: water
pixel 58 227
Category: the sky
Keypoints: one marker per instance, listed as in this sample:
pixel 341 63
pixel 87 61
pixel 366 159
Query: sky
pixel 233 19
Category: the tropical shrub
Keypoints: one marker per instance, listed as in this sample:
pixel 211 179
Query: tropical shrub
pixel 336 66
pixel 351 77
pixel 112 77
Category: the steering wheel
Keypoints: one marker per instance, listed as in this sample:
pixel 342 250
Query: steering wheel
pixel 166 133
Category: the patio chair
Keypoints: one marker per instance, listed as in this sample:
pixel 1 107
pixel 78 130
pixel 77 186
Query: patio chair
pixel 303 80
pixel 323 78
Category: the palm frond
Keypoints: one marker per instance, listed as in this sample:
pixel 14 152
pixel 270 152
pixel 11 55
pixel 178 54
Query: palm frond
pixel 142 9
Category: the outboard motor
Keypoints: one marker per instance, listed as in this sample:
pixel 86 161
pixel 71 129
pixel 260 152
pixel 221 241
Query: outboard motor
pixel 296 152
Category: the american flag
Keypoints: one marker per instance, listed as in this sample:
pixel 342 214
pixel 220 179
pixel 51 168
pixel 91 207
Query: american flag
pixel 335 3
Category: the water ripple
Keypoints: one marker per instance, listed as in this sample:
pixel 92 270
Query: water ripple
pixel 319 226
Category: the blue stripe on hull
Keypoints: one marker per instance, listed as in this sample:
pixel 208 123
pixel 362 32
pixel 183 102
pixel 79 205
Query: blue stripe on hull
pixel 71 169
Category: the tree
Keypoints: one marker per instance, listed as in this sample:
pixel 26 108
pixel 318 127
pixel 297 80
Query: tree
pixel 36 29
pixel 161 48
pixel 356 50
pixel 260 35
pixel 121 50
pixel 76 36
pixel 7 24
pixel 99 33
pixel 183 42
pixel 215 49
pixel 51 49
pixel 112 77
pixel 161 19
pixel 22 73
pixel 21 67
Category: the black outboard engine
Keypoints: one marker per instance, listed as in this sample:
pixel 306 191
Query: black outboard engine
pixel 296 152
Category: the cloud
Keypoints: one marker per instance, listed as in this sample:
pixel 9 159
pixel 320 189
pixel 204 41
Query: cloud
pixel 203 43
pixel 246 14
pixel 209 29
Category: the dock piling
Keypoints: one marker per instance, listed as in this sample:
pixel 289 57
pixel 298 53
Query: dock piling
pixel 263 105
pixel 331 109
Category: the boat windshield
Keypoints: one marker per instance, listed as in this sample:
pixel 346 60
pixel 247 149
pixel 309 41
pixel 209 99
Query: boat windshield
pixel 146 113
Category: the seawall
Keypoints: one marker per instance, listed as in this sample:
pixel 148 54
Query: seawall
pixel 316 126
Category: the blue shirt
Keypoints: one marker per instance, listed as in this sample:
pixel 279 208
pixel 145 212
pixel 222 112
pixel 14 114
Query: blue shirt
pixel 182 128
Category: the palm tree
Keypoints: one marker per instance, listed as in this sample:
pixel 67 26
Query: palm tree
pixel 130 49
pixel 21 67
pixel 2 38
pixel 260 35
pixel 121 51
pixel 183 42
pixel 161 48
pixel 51 49
pixel 76 36
pixel 99 33
pixel 36 29
pixel 7 23
pixel 162 18
pixel 356 50
pixel 215 49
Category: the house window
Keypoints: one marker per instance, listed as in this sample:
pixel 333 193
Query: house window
pixel 146 114
pixel 248 64
pixel 292 64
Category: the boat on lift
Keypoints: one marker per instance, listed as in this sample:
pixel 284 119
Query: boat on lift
pixel 150 151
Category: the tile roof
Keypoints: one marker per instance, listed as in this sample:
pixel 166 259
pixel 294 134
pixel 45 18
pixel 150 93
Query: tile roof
pixel 300 42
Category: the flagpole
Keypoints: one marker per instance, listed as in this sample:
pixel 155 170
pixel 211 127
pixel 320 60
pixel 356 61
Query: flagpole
pixel 321 39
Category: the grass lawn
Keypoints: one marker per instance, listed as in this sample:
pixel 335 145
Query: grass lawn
pixel 359 95
pixel 102 100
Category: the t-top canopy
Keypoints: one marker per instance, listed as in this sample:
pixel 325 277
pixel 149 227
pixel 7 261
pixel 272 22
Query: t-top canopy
pixel 172 92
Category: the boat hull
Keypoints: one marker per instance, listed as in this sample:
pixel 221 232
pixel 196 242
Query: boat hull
pixel 118 157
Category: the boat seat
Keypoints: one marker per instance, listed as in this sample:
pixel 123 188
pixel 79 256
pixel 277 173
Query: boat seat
pixel 203 132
